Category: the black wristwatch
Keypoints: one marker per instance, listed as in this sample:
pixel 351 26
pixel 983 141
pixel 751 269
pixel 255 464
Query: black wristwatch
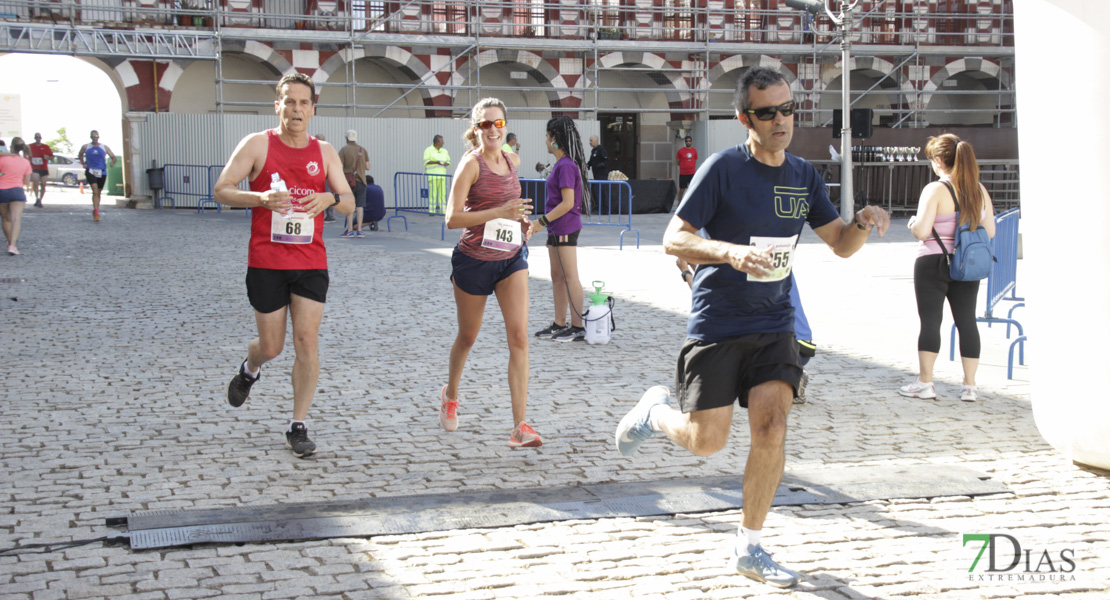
pixel 336 198
pixel 685 273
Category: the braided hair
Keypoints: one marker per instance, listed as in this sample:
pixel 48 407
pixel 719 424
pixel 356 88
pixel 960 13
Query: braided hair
pixel 565 134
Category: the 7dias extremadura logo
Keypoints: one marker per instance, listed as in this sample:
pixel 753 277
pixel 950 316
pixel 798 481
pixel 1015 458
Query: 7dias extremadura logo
pixel 1008 561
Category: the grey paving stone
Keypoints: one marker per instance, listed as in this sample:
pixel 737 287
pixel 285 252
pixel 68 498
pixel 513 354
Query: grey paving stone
pixel 129 331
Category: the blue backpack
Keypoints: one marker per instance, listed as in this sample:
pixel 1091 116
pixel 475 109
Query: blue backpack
pixel 972 258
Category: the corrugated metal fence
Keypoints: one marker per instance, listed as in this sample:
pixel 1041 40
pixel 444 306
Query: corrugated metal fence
pixel 393 144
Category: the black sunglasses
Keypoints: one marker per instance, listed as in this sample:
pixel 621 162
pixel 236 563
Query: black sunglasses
pixel 496 123
pixel 768 112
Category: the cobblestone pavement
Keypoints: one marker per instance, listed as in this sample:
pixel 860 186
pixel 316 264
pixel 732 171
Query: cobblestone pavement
pixel 121 337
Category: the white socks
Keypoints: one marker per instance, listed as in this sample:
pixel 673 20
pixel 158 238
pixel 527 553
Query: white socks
pixel 290 430
pixel 253 374
pixel 751 535
pixel 653 418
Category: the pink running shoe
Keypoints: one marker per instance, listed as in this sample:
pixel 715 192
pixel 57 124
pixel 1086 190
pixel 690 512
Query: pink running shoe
pixel 524 437
pixel 448 411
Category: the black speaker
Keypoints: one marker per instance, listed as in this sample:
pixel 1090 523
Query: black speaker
pixel 861 122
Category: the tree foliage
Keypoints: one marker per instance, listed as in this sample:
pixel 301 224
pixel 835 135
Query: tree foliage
pixel 61 144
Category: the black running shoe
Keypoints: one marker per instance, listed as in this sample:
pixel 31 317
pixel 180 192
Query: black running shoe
pixel 297 441
pixel 240 387
pixel 570 334
pixel 550 330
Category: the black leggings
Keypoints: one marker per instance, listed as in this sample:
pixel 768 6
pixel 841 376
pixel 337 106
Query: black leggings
pixel 932 285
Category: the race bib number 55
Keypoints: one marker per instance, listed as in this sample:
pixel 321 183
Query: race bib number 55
pixel 782 257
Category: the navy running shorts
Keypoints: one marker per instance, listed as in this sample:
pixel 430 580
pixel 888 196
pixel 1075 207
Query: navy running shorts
pixel 479 277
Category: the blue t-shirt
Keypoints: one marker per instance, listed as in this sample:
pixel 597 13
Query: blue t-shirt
pixel 734 198
pixel 564 174
pixel 95 157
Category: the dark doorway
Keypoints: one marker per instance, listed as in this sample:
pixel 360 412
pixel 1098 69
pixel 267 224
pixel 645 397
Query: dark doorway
pixel 620 136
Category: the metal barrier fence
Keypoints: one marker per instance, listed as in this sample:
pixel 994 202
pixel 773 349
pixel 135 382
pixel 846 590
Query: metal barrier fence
pixel 611 205
pixel 196 184
pixel 188 186
pixel 1002 281
pixel 423 193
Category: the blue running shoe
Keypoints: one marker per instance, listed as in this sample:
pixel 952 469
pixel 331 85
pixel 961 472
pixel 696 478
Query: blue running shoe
pixel 635 427
pixel 757 564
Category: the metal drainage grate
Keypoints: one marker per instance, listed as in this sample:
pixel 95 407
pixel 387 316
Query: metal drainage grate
pixel 504 508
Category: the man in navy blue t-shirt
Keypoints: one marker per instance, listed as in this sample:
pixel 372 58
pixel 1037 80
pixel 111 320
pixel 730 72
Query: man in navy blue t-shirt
pixel 752 202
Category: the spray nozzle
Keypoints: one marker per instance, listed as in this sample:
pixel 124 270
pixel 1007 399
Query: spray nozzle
pixel 598 296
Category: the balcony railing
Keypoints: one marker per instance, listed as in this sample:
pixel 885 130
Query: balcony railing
pixel 879 22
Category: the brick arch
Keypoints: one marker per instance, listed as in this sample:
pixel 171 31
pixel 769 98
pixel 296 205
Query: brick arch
pixel 534 64
pixel 137 77
pixel 872 63
pixel 679 96
pixel 744 61
pixel 263 53
pixel 407 62
pixel 963 65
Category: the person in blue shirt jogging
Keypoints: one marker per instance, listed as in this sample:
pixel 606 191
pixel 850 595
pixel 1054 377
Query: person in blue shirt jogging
pixel 94 157
pixel 752 201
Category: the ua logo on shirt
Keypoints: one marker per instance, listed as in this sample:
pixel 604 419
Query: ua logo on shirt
pixel 791 202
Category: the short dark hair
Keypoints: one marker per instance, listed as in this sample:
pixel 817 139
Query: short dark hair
pixel 760 77
pixel 300 78
pixel 437 138
pixel 510 138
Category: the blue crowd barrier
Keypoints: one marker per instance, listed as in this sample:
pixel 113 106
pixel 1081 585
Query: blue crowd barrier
pixel 188 185
pixel 412 192
pixel 214 172
pixel 1002 281
pixel 611 205
pixel 193 186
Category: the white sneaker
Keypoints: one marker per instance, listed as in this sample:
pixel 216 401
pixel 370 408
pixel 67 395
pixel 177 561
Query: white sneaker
pixel 967 393
pixel 919 389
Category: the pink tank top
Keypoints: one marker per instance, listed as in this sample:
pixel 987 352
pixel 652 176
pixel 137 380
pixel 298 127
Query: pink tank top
pixel 946 229
pixel 489 191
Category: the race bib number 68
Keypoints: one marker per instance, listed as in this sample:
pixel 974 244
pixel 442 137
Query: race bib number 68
pixel 782 257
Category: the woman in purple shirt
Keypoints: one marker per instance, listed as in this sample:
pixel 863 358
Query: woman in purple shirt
pixel 566 196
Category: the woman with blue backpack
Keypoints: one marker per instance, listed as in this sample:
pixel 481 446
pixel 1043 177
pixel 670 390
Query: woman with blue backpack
pixel 957 207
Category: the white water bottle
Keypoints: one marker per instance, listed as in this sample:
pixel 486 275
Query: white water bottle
pixel 277 184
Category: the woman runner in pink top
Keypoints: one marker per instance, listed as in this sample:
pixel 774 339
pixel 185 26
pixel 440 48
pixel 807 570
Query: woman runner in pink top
pixel 491 258
pixel 15 172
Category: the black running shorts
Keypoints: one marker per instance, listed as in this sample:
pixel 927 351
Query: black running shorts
pixel 570 239
pixel 715 374
pixel 270 289
pixel 94 180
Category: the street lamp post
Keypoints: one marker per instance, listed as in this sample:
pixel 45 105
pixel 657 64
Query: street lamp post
pixel 843 23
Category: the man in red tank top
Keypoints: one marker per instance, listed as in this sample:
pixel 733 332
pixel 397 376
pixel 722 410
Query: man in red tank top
pixel 40 167
pixel 287 265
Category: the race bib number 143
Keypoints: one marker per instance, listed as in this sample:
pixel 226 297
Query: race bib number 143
pixel 502 234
